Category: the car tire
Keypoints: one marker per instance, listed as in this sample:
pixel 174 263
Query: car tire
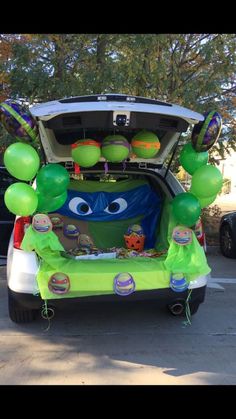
pixel 18 313
pixel 227 244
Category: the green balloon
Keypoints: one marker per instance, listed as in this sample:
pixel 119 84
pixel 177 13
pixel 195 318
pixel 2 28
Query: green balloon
pixel 22 161
pixel 86 153
pixel 145 144
pixel 21 199
pixel 51 204
pixel 115 148
pixel 207 181
pixel 204 202
pixel 52 180
pixel 186 209
pixel 191 160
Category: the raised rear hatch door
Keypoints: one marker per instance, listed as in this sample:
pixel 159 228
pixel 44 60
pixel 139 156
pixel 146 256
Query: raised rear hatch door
pixel 63 122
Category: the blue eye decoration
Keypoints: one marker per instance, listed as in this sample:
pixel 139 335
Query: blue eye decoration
pixel 79 206
pixel 116 206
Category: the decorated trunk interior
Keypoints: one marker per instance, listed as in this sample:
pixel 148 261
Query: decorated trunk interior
pixel 112 235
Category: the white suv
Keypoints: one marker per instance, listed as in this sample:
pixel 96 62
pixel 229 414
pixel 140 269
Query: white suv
pixel 63 122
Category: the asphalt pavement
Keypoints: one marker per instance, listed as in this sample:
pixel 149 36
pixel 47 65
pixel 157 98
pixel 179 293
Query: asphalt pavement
pixel 136 343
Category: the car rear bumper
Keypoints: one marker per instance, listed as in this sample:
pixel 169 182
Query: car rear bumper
pixel 162 296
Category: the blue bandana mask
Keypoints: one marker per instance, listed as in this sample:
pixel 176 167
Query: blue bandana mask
pixel 112 206
pixel 109 206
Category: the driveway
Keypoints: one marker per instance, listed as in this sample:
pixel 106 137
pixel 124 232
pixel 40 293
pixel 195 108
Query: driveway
pixel 134 343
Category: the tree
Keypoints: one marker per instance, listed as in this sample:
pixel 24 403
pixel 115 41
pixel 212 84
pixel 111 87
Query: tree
pixel 192 70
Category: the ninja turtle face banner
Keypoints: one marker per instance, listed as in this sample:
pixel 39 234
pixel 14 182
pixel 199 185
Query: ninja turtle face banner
pixel 114 206
pixel 108 206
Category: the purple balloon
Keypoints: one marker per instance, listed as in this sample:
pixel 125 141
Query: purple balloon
pixel 25 130
pixel 206 133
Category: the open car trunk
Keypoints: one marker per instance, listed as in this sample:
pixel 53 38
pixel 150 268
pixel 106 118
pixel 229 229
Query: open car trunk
pixel 104 207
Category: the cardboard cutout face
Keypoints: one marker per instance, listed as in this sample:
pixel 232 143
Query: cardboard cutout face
pixel 59 283
pixel 124 284
pixel 178 282
pixel 182 235
pixel 41 223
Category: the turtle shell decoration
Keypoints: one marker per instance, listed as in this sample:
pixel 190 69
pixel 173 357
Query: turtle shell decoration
pixel 18 121
pixel 206 133
pixel 115 148
pixel 86 152
pixel 145 144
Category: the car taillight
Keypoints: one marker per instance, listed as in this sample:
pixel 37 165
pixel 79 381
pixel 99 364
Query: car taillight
pixel 201 240
pixel 19 230
pixel 200 233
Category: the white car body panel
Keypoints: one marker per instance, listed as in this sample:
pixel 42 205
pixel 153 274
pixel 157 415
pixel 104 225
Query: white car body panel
pixel 198 282
pixel 22 268
pixel 49 110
